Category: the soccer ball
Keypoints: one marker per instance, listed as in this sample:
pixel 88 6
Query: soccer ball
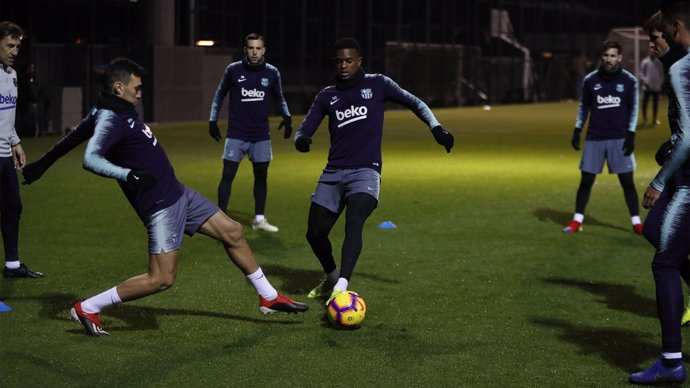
pixel 346 309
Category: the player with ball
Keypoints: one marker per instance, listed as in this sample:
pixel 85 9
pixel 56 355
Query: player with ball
pixel 350 182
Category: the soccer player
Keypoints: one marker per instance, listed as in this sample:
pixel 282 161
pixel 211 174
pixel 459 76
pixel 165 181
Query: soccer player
pixel 12 155
pixel 609 98
pixel 125 149
pixel 670 260
pixel 651 78
pixel 351 180
pixel 250 83
pixel 668 55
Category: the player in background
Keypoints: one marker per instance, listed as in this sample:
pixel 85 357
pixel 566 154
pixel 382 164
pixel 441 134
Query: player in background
pixel 652 79
pixel 609 98
pixel 123 148
pixel 250 85
pixel 12 155
pixel 351 180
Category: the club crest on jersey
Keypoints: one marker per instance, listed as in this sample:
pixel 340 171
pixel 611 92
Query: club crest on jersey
pixel 620 88
pixel 366 94
pixel 264 82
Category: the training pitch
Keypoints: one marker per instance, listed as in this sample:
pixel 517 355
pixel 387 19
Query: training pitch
pixel 475 287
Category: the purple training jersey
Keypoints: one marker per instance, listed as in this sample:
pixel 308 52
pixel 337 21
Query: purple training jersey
pixel 249 91
pixel 611 103
pixel 121 142
pixel 355 119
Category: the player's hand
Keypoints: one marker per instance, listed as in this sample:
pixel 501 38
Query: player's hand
pixel 213 130
pixel 18 156
pixel 287 123
pixel 443 137
pixel 141 180
pixel 302 142
pixel 651 195
pixel 629 145
pixel 33 171
pixel 575 141
pixel 663 152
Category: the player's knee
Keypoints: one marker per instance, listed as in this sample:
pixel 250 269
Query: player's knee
pixel 11 210
pixel 232 233
pixel 260 175
pixel 316 234
pixel 628 186
pixel 166 284
pixel 162 282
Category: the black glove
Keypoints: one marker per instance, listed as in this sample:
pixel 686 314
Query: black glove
pixel 213 130
pixel 443 137
pixel 35 170
pixel 629 145
pixel 302 143
pixel 575 141
pixel 141 180
pixel 287 123
pixel 661 155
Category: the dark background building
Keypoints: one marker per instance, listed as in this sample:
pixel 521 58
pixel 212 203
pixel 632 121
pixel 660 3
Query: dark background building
pixel 449 52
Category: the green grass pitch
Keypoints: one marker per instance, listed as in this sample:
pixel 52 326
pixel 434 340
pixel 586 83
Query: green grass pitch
pixel 476 287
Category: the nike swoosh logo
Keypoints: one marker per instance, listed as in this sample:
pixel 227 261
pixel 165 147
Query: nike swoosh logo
pixel 241 80
pixel 334 101
pixel 131 125
pixel 135 177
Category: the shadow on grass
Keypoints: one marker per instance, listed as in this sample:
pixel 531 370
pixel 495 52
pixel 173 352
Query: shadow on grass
pixel 621 297
pixel 619 348
pixel 563 218
pixel 55 306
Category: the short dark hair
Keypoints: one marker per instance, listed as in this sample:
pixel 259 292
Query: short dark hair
pixel 653 23
pixel 121 70
pixel 669 5
pixel 609 44
pixel 254 36
pixel 345 43
pixel 10 29
pixel 676 9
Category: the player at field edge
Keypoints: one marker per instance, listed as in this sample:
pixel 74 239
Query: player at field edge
pixel 250 84
pixel 351 179
pixel 123 148
pixel 610 99
pixel 668 55
pixel 12 156
pixel 652 80
pixel 668 195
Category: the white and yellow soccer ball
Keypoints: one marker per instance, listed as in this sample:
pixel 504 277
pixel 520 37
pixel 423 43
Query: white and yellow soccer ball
pixel 346 309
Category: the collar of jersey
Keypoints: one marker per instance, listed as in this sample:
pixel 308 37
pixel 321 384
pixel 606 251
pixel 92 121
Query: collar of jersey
pixel 112 102
pixel 350 82
pixel 609 76
pixel 254 66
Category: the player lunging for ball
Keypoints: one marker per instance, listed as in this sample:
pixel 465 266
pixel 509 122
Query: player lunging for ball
pixel 351 180
pixel 125 149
